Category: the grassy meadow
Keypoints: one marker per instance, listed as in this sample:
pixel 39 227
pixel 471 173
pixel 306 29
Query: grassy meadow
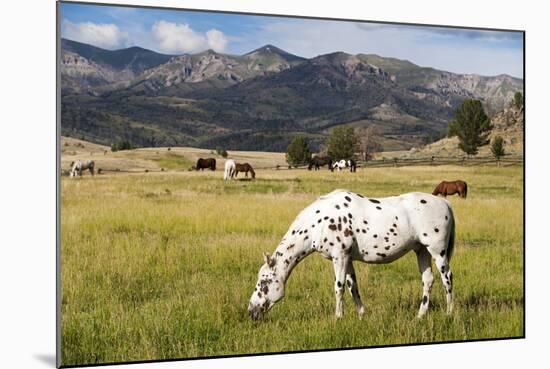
pixel 162 265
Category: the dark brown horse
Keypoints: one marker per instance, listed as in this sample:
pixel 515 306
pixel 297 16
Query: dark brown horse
pixel 319 161
pixel 450 188
pixel 245 167
pixel 209 163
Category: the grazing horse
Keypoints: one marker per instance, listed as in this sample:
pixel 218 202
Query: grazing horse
pixel 209 163
pixel 342 164
pixel 450 188
pixel 344 227
pixel 78 166
pixel 230 168
pixel 319 161
pixel 245 167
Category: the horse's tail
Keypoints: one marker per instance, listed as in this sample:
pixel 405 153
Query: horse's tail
pixel 451 244
pixel 465 189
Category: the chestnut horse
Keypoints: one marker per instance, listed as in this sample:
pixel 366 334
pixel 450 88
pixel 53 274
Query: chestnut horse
pixel 209 163
pixel 245 167
pixel 450 188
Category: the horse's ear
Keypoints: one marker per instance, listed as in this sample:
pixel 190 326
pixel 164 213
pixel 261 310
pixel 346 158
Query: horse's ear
pixel 269 260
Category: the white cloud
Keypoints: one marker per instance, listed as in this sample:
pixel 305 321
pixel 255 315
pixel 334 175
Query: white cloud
pixel 104 35
pixel 178 38
pixel 216 40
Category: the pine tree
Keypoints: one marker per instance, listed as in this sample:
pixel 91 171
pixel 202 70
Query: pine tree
pixel 297 152
pixel 471 125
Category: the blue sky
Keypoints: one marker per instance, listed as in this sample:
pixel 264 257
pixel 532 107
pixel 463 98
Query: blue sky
pixel 179 32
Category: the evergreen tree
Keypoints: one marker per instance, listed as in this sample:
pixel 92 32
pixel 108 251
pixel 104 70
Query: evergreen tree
pixel 497 147
pixel 297 152
pixel 471 125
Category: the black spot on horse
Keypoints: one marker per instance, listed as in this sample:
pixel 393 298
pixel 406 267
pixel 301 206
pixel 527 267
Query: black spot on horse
pixel 361 196
pixel 347 198
pixel 338 239
pixel 350 216
pixel 337 207
pixel 365 222
pixel 345 204
pixel 319 221
pixel 325 218
pixel 375 235
pixel 424 234
pixel 446 217
pixel 374 201
pixel 423 201
pixel 293 232
pixel 332 227
pixel 325 240
pixel 305 238
pixel 424 300
pixel 290 246
pixel 305 231
pixel 331 244
pixel 380 254
pixel 348 283
pixel 436 230
pixel 394 225
pixel 387 247
pixel 339 284
pixel 442 253
pixel 331 220
pixel 339 226
pixel 317 211
pixel 345 219
pixel 391 230
pixel 379 208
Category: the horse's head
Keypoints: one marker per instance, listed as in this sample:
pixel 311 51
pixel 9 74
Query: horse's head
pixel 253 173
pixel 269 289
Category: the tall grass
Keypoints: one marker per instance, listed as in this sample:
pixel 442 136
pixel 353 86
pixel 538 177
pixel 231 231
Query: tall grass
pixel 158 266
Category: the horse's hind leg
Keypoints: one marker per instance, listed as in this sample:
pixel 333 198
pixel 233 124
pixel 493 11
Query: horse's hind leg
pixel 351 282
pixel 442 264
pixel 425 267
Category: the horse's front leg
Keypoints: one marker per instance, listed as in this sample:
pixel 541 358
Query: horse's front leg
pixel 351 282
pixel 340 263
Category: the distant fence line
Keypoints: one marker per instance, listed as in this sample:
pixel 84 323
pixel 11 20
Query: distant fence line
pixel 377 163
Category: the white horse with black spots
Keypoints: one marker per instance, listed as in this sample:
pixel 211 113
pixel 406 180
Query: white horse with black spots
pixel 344 227
pixel 229 170
pixel 78 166
pixel 343 164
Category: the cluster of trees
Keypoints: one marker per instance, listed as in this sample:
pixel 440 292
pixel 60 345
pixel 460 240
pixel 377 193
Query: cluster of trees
pixel 471 125
pixel 122 145
pixel 343 143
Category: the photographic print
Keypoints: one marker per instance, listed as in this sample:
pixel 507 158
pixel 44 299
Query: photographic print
pixel 240 184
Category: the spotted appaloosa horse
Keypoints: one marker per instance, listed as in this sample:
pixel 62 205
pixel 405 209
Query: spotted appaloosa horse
pixel 450 188
pixel 344 227
pixel 229 171
pixel 343 164
pixel 78 166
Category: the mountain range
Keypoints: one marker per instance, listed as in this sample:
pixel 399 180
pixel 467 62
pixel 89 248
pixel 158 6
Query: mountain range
pixel 259 100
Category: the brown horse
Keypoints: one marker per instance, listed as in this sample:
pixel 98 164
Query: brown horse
pixel 450 188
pixel 245 167
pixel 209 163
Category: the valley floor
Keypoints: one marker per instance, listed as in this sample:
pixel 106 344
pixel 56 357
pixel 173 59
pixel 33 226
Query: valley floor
pixel 162 265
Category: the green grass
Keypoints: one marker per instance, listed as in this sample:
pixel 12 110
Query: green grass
pixel 173 161
pixel 159 266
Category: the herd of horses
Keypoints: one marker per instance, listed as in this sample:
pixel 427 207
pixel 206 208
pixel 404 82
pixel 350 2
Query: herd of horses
pixel 232 169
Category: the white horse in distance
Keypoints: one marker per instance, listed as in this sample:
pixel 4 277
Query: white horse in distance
pixel 344 227
pixel 229 171
pixel 78 166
